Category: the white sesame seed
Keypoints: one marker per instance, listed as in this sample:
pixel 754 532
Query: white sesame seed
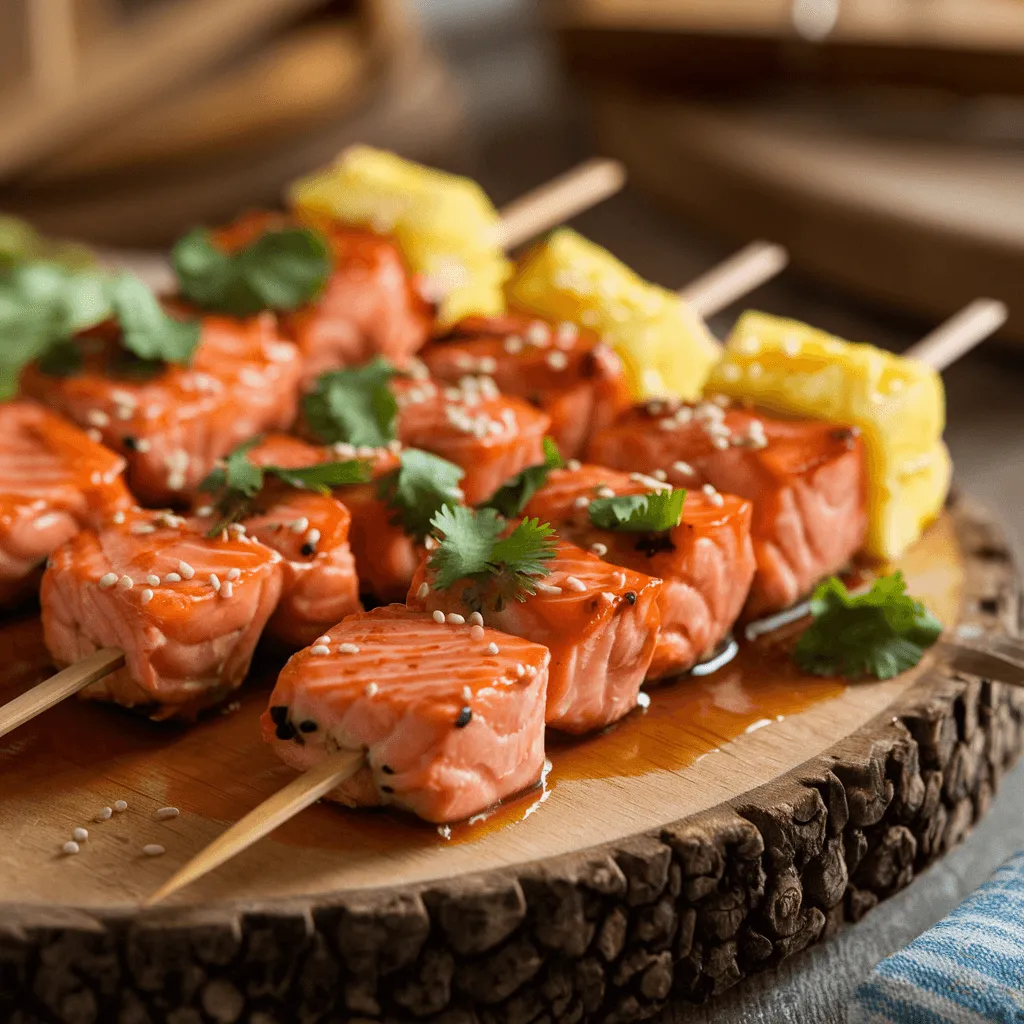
pixel 166 812
pixel 491 648
pixel 712 495
pixel 438 616
pixel 455 619
pixel 233 574
pixel 147 596
pixel 153 580
pixel 70 847
pixel 721 443
pixel 93 434
pixel 467 694
pixel 476 619
pixel 574 583
pixel 599 549
pixel 538 333
pixel 573 465
pixel 643 700
pixel 300 525
pixel 325 639
pixel 126 583
pixel 581 502
pixel 605 492
pixel 172 577
pixel 140 529
pixel 214 581
pixel 142 445
pixel 227 589
pixel 520 669
pixel 513 344
pixel 731 372
pixel 476 632
pixel 118 518
pixel 105 814
pixel 682 467
pixel 236 529
pixel 153 850
pixel 80 835
pixel 348 649
pixel 547 588
pixel 186 570
pixel 96 418
pixel 557 360
pixel 321 650
pixel 660 474
pixel 120 805
pixel 370 689
pixel 107 580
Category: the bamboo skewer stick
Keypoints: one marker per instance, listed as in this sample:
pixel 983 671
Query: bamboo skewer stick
pixel 959 334
pixel 274 811
pixel 734 277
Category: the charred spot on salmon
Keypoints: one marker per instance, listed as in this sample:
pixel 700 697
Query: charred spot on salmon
pixel 279 714
pixel 588 366
pixel 285 731
pixel 535 400
pixel 387 769
pixel 465 715
pixel 387 789
pixel 652 544
pixel 630 596
pixel 307 726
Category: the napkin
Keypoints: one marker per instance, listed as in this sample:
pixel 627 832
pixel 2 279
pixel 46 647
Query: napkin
pixel 967 969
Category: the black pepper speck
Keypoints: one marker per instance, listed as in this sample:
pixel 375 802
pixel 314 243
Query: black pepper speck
pixel 308 725
pixel 285 731
pixel 387 789
pixel 464 718
pixel 131 443
pixel 631 596
pixel 308 550
pixel 387 769
pixel 279 714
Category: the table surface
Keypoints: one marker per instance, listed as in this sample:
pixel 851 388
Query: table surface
pixel 524 126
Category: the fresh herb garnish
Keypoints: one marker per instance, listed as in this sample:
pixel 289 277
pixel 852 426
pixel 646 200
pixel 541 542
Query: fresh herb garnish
pixel 881 633
pixel 236 484
pixel 42 307
pixel 639 513
pixel 513 496
pixel 282 270
pixel 355 406
pixel 419 488
pixel 472 547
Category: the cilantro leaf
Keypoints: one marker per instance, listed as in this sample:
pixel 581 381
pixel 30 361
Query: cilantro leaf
pixel 323 476
pixel 282 270
pixel 146 330
pixel 472 547
pixel 355 405
pixel 639 513
pixel 514 495
pixel 421 486
pixel 881 633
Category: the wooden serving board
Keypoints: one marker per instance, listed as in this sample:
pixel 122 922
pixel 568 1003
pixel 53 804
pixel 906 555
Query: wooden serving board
pixel 741 817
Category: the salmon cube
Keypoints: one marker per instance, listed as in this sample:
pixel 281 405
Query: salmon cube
pixel 706 562
pixel 172 425
pixel 806 478
pixel 54 481
pixel 371 305
pixel 599 621
pixel 563 371
pixel 451 720
pixel 491 437
pixel 186 609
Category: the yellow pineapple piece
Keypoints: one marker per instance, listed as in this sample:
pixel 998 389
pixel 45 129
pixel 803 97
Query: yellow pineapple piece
pixel 786 367
pixel 665 347
pixel 447 228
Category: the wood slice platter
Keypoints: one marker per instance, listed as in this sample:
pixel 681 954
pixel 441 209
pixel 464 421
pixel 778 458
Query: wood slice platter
pixel 741 817
pixel 909 201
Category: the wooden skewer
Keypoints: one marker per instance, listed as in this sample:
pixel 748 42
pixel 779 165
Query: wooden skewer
pixel 734 277
pixel 959 334
pixel 276 810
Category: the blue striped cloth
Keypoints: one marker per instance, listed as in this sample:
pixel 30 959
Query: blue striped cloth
pixel 967 969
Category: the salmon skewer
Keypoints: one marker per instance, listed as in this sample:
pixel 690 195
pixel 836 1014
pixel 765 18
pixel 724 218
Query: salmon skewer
pixel 186 609
pixel 54 481
pixel 449 720
pixel 706 561
pixel 807 480
pixel 599 621
pixel 171 424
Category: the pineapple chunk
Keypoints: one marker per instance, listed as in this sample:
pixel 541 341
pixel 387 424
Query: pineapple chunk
pixel 786 367
pixel 666 349
pixel 445 225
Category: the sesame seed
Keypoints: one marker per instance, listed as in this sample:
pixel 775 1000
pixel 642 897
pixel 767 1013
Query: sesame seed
pixel 599 549
pixel 118 518
pixel 321 650
pixel 70 847
pixel 660 474
pixel 126 583
pixel 120 805
pixel 467 694
pixel 605 492
pixel 166 812
pixel 105 814
pixel 236 529
pixel 93 434
pixel 682 467
pixel 96 418
pixel 731 372
pixel 186 570
pixel 456 619
pixel 107 580
pixel 712 495
pixel 721 443
pixel 214 581
pixel 643 700
pixel 153 850
pixel 513 344
pixel 476 619
pixel 348 649
pixel 140 529
pixel 557 360
pixel 581 502
pixel 233 574
pixel 80 835
pixel 312 537
pixel 423 590
pixel 438 616
pixel 153 580
pixel 491 648
pixel 370 689
pixel 227 589
pixel 172 577
pixel 147 596
pixel 573 465
pixel 325 639
pixel 547 588
pixel 476 632
pixel 142 445
pixel 574 583
pixel 520 670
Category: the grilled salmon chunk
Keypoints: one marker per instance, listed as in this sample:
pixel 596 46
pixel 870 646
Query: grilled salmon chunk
pixel 599 621
pixel 54 481
pixel 451 719
pixel 706 562
pixel 371 305
pixel 186 609
pixel 567 373
pixel 489 436
pixel 806 479
pixel 173 425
